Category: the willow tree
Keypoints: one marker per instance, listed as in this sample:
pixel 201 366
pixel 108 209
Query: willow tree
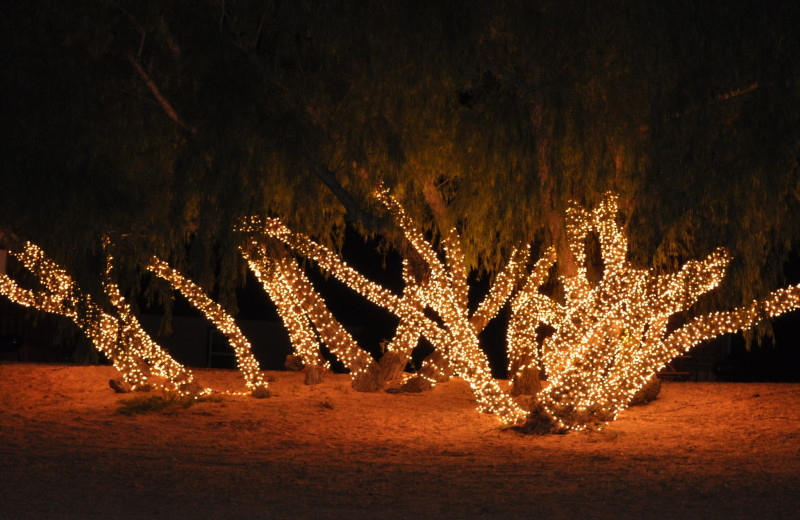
pixel 161 125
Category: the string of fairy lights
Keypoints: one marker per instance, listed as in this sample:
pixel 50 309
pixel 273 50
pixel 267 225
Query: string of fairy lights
pixel 610 334
pixel 444 293
pixel 141 362
pixel 610 338
pixel 147 354
pixel 222 320
pixel 300 305
pixel 296 321
pixel 406 336
pixel 529 309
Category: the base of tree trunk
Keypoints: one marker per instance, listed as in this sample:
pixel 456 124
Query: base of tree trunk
pixel 191 389
pixel 120 386
pixel 437 367
pixel 293 363
pixel 161 382
pixel 260 392
pixel 368 380
pixel 392 366
pixel 526 382
pixel 539 422
pixel 313 374
pixel 647 393
pixel 415 384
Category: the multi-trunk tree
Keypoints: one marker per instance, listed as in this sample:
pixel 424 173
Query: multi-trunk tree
pixel 609 334
pixel 161 126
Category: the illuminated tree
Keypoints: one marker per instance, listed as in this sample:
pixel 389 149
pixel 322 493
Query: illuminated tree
pixel 610 336
pixel 445 292
pixel 160 125
pixel 224 322
pixel 117 334
pixel 304 314
pixel 141 362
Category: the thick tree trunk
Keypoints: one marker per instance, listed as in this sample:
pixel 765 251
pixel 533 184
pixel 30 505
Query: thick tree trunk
pixel 566 262
pixel 120 386
pixel 192 388
pixel 526 382
pixel 437 367
pixel 260 392
pixel 368 380
pixel 378 373
pixel 392 365
pixel 415 384
pixel 313 374
pixel 647 393
pixel 539 422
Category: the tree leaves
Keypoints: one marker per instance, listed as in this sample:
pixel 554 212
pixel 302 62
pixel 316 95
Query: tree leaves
pixel 510 108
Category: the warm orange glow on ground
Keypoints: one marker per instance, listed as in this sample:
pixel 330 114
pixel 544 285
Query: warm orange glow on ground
pixel 701 450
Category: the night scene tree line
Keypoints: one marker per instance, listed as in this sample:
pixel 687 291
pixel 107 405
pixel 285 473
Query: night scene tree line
pixel 580 156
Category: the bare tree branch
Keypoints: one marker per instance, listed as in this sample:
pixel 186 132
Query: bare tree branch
pixel 355 214
pixel 170 111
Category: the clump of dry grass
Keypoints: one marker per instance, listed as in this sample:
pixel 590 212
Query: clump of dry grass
pixel 166 403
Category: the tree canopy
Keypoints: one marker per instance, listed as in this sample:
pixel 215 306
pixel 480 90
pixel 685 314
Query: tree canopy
pixel 161 125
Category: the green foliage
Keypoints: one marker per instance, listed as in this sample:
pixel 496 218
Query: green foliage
pixel 509 109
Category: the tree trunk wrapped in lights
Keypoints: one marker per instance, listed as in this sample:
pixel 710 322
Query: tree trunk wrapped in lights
pixel 247 363
pixel 303 310
pixel 287 299
pixel 446 293
pixel 458 338
pixel 529 309
pixel 398 351
pixel 611 337
pixel 141 362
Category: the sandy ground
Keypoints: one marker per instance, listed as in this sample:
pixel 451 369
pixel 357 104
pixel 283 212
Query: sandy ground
pixel 702 450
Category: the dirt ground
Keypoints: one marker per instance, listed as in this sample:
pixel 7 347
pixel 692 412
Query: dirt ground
pixel 702 450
